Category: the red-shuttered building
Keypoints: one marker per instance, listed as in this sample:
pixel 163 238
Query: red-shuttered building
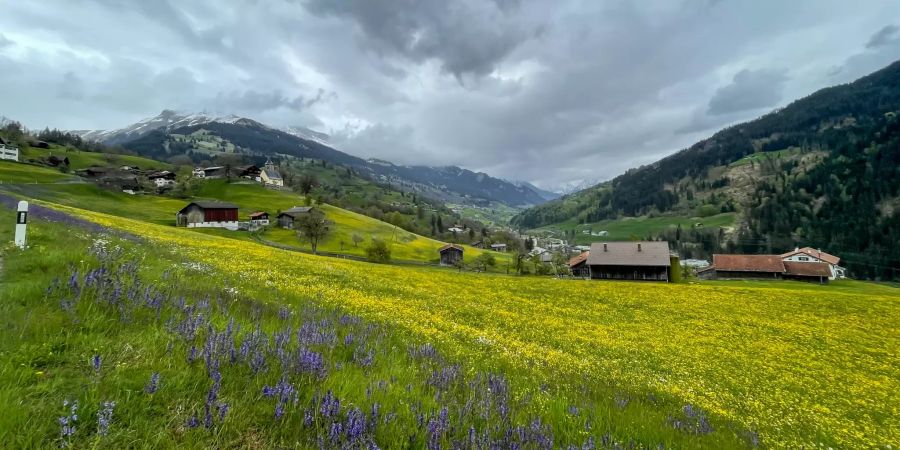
pixel 208 214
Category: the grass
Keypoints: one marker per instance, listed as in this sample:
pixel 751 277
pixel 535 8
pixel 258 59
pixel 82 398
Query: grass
pixel 761 156
pixel 14 172
pixel 252 197
pixel 789 364
pixel 638 227
pixel 79 159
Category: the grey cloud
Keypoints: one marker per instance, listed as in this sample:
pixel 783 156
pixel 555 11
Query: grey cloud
pixel 4 41
pixel 467 37
pixel 749 90
pixel 257 101
pixel 883 36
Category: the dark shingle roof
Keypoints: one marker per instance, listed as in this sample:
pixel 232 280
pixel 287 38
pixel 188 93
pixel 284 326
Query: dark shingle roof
pixel 209 204
pixel 644 253
pixel 449 246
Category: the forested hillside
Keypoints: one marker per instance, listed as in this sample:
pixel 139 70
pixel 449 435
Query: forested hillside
pixel 838 190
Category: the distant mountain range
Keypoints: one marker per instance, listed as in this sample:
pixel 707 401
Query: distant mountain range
pixel 199 134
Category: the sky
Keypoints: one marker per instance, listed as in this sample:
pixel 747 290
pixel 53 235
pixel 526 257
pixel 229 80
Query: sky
pixel 555 93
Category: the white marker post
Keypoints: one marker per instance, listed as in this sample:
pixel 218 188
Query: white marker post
pixel 21 221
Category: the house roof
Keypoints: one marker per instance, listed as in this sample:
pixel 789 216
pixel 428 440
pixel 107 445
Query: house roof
pixel 292 212
pixel 258 214
pixel 818 254
pixel 644 253
pixel 748 263
pixel 449 246
pixel 498 245
pixel 272 174
pixel 576 260
pixel 807 269
pixel 161 174
pixel 205 204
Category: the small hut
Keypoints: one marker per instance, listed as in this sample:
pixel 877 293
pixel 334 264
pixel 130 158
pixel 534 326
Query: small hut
pixel 451 254
pixel 287 217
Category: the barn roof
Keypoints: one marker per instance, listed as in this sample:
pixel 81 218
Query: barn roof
pixel 807 269
pixel 449 246
pixel 258 214
pixel 576 260
pixel 207 204
pixel 830 259
pixel 645 253
pixel 748 263
pixel 297 210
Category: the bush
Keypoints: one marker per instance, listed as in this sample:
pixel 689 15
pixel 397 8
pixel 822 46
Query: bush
pixel 378 251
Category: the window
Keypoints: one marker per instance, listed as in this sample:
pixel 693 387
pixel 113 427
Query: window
pixel 804 258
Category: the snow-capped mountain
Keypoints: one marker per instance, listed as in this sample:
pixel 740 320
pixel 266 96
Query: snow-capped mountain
pixel 306 133
pixel 166 120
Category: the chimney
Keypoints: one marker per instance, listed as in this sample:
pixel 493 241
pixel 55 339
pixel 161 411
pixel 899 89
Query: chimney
pixel 604 246
pixel 639 247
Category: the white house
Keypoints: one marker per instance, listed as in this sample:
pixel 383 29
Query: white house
pixel 457 229
pixel 259 218
pixel 162 178
pixel 9 152
pixel 809 254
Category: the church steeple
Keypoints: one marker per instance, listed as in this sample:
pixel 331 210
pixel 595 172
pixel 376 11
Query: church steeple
pixel 269 164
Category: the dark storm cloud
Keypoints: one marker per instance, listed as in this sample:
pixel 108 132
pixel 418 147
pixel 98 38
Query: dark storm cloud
pixel 523 89
pixel 467 36
pixel 750 89
pixel 883 36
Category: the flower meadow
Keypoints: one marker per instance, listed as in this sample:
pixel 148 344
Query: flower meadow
pixel 175 338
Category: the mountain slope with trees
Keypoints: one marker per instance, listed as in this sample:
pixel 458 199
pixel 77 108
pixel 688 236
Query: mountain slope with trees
pixel 833 181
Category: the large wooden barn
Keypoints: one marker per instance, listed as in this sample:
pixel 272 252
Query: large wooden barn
pixel 287 217
pixel 764 267
pixel 208 214
pixel 645 261
pixel 451 254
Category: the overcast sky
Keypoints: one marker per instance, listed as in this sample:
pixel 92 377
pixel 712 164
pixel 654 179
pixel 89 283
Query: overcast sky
pixel 549 92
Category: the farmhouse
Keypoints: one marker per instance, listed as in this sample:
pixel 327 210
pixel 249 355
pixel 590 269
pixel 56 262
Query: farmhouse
pixel 809 254
pixel 287 217
pixel 162 178
pixel 451 254
pixel 8 152
pixel 208 214
pixel 647 260
pixel 578 265
pixel 259 218
pixel 816 272
pixel 498 247
pixel 270 175
pixel 252 172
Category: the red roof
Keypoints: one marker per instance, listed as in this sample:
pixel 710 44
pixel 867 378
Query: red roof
pixel 576 260
pixel 807 269
pixel 748 263
pixel 449 246
pixel 818 254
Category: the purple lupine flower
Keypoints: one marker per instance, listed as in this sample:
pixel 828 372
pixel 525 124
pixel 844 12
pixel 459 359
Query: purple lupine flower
pixel 192 355
pixel 588 444
pixel 223 410
pixel 193 422
pixel 67 422
pixel 310 362
pixel 153 385
pixel 307 417
pixel 104 418
pixel 330 406
pixel 356 425
pixel 95 363
pixel 364 358
pixel 284 391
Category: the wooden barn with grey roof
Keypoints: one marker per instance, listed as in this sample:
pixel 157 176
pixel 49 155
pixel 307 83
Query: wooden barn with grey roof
pixel 643 261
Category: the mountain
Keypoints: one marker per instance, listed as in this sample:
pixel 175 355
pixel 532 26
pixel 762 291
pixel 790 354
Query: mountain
pixel 201 136
pixel 545 194
pixel 822 171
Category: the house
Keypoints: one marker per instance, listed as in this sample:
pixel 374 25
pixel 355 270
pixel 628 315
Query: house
pixel 270 175
pixel 251 171
pixel 498 247
pixel 646 260
pixel 8 151
pixel 287 217
pixel 457 229
pixel 162 178
pixel 55 161
pixel 451 254
pixel 764 267
pixel 809 254
pixel 93 172
pixel 208 214
pixel 735 267
pixel 259 218
pixel 578 265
